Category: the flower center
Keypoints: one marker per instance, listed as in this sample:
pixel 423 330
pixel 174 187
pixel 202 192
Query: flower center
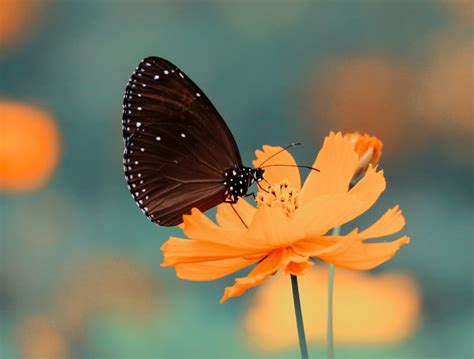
pixel 280 195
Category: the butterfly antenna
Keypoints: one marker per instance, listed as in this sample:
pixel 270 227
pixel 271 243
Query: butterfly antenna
pixel 238 215
pixel 299 166
pixel 283 149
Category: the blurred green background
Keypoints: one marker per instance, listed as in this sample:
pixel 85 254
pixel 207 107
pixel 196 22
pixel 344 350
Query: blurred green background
pixel 80 265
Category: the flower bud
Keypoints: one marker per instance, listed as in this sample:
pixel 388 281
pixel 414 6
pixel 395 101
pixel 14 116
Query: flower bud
pixel 369 149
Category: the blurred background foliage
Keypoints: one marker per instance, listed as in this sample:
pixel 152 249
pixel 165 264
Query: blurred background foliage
pixel 80 274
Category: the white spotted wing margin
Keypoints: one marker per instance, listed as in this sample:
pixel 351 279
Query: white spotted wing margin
pixel 177 146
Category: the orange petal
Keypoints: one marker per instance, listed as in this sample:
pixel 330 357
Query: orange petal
pixel 298 268
pixel 271 229
pixel 279 171
pixel 178 251
pixel 336 162
pixel 364 256
pixel 296 264
pixel 204 271
pixel 391 222
pixel 227 218
pixel 367 190
pixel 197 226
pixel 315 246
pixel 326 212
pixel 265 268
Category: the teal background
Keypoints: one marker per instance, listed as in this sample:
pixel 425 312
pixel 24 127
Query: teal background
pixel 255 61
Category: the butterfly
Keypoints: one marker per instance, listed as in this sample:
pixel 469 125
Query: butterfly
pixel 179 153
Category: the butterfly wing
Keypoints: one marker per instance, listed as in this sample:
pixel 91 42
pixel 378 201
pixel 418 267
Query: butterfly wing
pixel 177 146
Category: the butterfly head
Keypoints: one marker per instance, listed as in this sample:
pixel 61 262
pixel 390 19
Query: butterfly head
pixel 257 174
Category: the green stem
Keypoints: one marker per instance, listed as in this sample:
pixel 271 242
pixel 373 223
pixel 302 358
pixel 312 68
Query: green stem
pixel 299 317
pixel 331 271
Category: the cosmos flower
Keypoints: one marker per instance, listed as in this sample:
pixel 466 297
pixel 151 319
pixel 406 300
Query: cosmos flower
pixel 289 225
pixel 29 146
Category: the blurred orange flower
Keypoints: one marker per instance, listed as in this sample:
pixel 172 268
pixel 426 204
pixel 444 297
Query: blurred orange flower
pixel 29 146
pixel 368 309
pixel 368 93
pixel 16 17
pixel 39 337
pixel 446 85
pixel 288 228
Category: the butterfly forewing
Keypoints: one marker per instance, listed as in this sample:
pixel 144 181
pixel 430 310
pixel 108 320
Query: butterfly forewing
pixel 177 146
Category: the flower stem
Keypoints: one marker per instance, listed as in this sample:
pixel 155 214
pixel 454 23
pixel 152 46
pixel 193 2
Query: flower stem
pixel 299 317
pixel 330 337
pixel 331 271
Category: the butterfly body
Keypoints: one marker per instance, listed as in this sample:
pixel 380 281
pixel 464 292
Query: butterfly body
pixel 237 181
pixel 179 153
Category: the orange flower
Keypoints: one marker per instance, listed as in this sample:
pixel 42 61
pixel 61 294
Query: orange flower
pixel 29 146
pixel 369 149
pixel 381 309
pixel 290 223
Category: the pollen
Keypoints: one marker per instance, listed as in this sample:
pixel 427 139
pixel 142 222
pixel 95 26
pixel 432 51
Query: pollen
pixel 282 195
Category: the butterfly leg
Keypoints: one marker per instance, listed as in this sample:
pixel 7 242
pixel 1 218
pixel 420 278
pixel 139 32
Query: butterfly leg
pixel 232 200
pixel 261 188
pixel 238 215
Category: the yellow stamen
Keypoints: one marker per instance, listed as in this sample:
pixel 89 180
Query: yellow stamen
pixel 280 195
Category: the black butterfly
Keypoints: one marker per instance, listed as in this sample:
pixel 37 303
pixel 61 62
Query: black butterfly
pixel 179 153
